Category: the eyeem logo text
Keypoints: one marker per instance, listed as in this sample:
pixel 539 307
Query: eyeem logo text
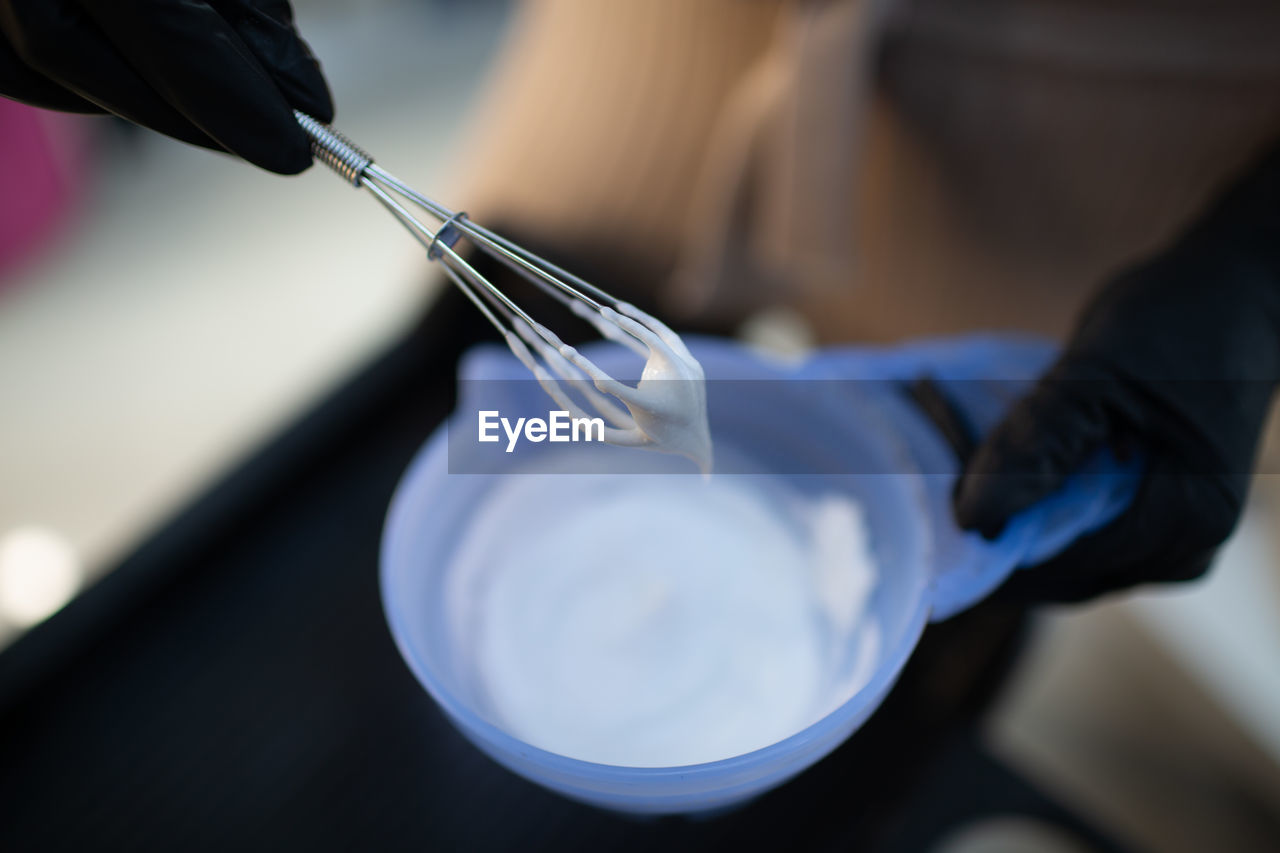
pixel 558 426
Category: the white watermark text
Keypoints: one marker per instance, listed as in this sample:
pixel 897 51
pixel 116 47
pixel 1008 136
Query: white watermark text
pixel 558 426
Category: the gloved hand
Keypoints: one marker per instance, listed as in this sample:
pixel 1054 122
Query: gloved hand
pixel 225 74
pixel 1179 357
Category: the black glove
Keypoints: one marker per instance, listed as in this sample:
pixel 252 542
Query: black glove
pixel 1179 357
pixel 225 74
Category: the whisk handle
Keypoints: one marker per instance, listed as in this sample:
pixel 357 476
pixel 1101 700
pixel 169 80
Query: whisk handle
pixel 334 150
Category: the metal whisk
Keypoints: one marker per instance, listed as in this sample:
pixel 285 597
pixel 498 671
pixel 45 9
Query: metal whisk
pixel 549 359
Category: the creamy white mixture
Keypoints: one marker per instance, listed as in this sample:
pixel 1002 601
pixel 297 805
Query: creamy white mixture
pixel 669 405
pixel 659 620
pixel 665 411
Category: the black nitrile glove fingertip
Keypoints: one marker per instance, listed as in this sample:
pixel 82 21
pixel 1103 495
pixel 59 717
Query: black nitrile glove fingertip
pixel 290 158
pixel 287 58
pixel 985 500
pixel 1046 436
pixel 976 504
pixel 317 105
pixel 1006 474
pixel 302 83
pixel 284 149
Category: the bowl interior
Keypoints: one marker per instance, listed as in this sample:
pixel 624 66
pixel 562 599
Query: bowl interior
pixel 435 515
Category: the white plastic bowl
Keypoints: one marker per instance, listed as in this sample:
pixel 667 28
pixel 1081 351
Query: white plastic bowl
pixel 862 436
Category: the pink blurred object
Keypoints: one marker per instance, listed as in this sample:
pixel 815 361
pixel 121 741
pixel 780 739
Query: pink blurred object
pixel 43 165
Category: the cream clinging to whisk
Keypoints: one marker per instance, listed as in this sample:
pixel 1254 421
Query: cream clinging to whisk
pixel 666 411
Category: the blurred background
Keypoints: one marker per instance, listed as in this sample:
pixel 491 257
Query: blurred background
pixel 164 309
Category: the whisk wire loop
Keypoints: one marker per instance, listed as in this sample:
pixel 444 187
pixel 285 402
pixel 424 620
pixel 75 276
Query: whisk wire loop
pixel 356 166
pixel 557 366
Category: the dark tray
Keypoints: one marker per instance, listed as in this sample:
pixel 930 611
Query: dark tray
pixel 232 685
